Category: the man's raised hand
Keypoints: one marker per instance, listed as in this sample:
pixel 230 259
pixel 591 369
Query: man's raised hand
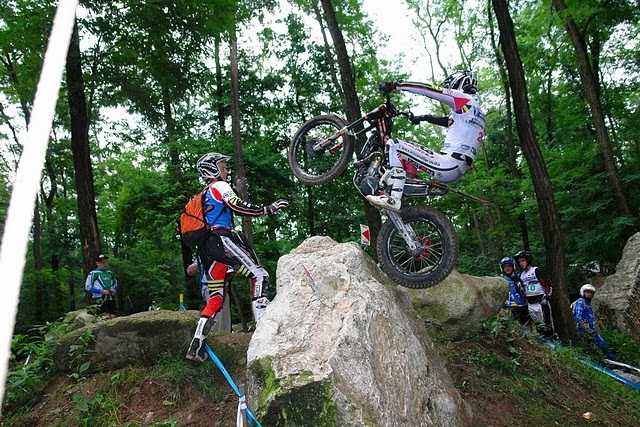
pixel 276 206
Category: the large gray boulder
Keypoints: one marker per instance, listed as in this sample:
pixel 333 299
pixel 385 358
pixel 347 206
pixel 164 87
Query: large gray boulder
pixel 340 346
pixel 138 339
pixel 460 302
pixel 617 302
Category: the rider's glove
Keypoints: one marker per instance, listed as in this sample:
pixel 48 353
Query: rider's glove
pixel 276 206
pixel 388 87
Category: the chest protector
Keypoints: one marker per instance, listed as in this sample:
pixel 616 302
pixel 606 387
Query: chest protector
pixel 532 285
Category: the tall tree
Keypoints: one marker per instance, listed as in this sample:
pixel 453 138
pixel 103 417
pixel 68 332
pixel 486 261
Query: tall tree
pixel 592 94
pixel 555 261
pixel 512 157
pixel 238 158
pixel 78 113
pixel 220 108
pixel 351 100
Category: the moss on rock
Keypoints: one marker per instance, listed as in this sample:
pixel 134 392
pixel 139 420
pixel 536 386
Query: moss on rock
pixel 296 400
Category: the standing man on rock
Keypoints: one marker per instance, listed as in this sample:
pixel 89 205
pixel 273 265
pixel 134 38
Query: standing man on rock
pixel 223 251
pixel 102 285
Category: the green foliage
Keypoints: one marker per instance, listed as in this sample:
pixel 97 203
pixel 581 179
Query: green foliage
pixel 99 410
pixel 31 365
pixel 505 374
pixel 626 347
pixel 79 353
pixel 177 371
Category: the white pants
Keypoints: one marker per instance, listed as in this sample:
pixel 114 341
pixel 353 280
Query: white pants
pixel 443 167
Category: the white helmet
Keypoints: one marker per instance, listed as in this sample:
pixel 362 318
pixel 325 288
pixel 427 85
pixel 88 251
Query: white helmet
pixel 587 287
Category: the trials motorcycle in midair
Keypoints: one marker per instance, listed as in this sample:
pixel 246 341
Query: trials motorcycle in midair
pixel 417 247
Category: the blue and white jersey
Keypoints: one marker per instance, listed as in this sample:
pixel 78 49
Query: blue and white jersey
pixel 515 298
pixel 99 280
pixel 584 316
pixel 220 202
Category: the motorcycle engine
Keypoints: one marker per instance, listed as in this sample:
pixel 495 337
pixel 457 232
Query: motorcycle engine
pixel 368 176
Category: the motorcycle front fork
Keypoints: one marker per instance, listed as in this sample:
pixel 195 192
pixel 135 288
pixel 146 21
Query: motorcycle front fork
pixel 405 230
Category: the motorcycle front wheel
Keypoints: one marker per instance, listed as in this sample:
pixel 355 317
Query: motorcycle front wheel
pixel 436 257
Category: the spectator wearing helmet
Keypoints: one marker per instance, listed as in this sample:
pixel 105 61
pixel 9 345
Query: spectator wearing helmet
pixel 585 318
pixel 465 132
pixel 516 301
pixel 224 251
pixel 537 292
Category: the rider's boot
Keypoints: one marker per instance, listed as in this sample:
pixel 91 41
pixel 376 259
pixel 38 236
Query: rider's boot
pixel 259 301
pixel 393 202
pixel 196 351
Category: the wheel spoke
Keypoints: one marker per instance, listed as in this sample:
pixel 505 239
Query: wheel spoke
pixel 428 236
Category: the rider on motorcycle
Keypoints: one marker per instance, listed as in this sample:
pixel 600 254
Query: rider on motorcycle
pixel 465 131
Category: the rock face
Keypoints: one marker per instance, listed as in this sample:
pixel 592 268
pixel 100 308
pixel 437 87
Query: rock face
pixel 461 302
pixel 338 346
pixel 79 318
pixel 617 302
pixel 123 341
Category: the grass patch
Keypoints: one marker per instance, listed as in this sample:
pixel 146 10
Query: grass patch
pixel 507 376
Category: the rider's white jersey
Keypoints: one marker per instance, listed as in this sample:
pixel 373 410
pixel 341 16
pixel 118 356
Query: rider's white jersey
pixel 466 128
pixel 531 283
pixel 466 120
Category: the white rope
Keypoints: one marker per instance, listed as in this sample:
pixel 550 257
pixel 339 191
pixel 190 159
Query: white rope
pixel 25 188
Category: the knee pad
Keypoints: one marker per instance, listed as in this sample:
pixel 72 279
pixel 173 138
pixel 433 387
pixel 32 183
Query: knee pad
pixel 259 284
pixel 213 306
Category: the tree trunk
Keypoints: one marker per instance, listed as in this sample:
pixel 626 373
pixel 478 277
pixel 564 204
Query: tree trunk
pixel 555 262
pixel 89 233
pixel 38 263
pixel 170 139
pixel 350 99
pixel 219 87
pixel 242 186
pixel 592 95
pixel 514 170
pixel 328 56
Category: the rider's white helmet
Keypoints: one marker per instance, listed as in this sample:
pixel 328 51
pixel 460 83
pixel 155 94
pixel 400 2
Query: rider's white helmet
pixel 587 287
pixel 465 81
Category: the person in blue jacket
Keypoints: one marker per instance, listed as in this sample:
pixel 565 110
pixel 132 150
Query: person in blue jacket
pixel 516 300
pixel 585 318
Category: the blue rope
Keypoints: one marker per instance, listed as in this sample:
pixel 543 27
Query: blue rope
pixel 634 385
pixel 554 346
pixel 216 361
